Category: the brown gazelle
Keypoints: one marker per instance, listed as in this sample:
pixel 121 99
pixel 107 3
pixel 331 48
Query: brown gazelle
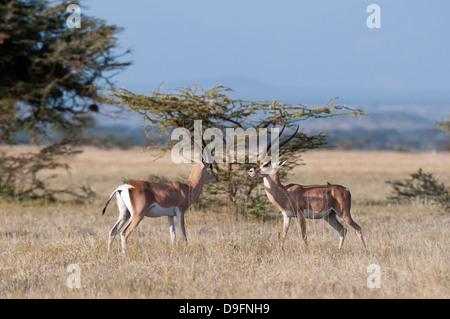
pixel 312 201
pixel 137 199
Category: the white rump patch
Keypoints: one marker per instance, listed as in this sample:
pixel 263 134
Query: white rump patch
pixel 125 195
pixel 120 188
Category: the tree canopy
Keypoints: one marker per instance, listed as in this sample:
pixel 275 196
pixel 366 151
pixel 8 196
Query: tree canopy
pixel 163 112
pixel 50 77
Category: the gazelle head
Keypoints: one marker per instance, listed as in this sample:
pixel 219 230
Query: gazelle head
pixel 265 168
pixel 205 165
pixel 207 170
pixel 265 165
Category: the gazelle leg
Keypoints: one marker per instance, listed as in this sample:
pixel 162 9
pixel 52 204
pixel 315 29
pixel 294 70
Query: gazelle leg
pixel 122 234
pixel 348 219
pixel 117 227
pixel 180 219
pixel 302 221
pixel 171 229
pixel 361 238
pixel 124 216
pixel 286 222
pixel 131 225
pixel 332 220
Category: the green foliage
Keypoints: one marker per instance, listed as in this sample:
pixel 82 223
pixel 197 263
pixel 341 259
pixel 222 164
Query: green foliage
pixel 50 77
pixel 49 71
pixel 422 186
pixel 163 112
pixel 444 126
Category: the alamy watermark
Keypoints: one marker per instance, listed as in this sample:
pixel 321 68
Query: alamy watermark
pixel 237 146
pixel 74 279
pixel 374 19
pixel 374 279
pixel 73 20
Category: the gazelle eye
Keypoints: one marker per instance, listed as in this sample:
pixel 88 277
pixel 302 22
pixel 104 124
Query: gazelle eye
pixel 266 164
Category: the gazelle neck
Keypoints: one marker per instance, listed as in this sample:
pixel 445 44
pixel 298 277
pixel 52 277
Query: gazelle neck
pixel 272 181
pixel 274 189
pixel 195 182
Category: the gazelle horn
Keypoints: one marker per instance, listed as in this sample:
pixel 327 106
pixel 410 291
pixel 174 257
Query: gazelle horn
pixel 269 147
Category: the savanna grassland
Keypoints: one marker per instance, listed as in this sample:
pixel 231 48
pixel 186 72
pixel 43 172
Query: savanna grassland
pixel 230 256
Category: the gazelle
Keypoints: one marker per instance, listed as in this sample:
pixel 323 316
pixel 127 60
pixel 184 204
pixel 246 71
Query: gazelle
pixel 137 199
pixel 312 201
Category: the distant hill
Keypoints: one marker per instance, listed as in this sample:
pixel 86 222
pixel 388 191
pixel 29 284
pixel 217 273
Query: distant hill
pixel 396 130
pixel 398 121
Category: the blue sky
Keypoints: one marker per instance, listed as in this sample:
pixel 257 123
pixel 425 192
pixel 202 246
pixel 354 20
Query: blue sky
pixel 323 47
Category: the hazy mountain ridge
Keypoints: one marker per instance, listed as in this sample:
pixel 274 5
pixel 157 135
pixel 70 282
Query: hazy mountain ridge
pixel 396 130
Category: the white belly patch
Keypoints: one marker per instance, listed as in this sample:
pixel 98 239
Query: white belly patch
pixel 316 215
pixel 287 213
pixel 154 210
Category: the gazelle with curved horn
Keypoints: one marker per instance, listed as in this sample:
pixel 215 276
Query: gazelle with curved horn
pixel 311 201
pixel 138 199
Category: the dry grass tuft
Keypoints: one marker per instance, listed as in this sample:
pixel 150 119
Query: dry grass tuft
pixel 230 257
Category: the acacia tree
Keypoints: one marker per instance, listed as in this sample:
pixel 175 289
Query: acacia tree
pixel 163 112
pixel 444 126
pixel 49 83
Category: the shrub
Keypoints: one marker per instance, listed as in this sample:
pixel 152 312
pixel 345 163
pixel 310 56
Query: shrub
pixel 422 186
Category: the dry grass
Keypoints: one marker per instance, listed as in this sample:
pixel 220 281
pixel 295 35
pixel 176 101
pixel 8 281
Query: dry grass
pixel 228 257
